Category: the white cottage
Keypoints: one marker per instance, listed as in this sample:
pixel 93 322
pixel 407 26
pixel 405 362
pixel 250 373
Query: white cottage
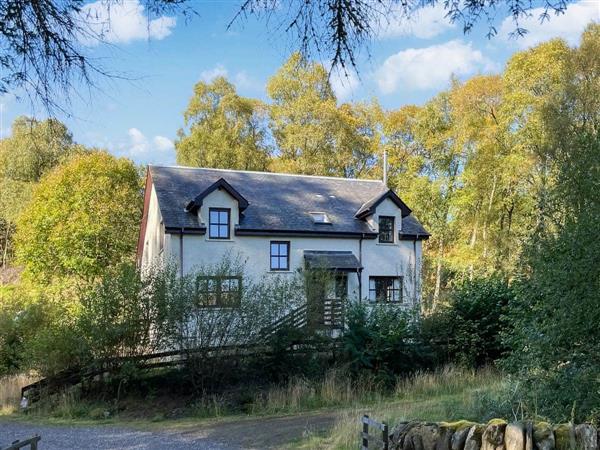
pixel 280 223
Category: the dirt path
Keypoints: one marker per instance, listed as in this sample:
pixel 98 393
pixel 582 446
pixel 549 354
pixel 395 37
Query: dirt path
pixel 250 433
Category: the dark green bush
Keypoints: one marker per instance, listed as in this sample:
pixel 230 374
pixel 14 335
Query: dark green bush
pixel 468 330
pixel 380 339
pixel 555 325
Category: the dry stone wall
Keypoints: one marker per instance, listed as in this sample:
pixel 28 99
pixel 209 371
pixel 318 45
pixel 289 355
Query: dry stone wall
pixel 495 435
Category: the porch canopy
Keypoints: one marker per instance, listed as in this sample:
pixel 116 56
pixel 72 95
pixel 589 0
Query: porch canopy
pixel 340 261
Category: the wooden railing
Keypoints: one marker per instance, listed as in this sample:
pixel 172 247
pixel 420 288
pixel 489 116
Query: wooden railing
pixel 297 318
pixel 333 313
pixel 31 442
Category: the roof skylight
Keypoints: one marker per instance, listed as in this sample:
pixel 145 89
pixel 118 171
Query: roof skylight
pixel 320 217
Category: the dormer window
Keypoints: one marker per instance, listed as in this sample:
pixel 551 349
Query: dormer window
pixel 386 229
pixel 218 223
pixel 320 217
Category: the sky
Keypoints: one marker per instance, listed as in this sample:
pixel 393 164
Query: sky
pixel 158 60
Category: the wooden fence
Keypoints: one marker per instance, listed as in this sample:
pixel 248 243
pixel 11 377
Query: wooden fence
pixel 378 440
pixel 31 442
pixel 73 376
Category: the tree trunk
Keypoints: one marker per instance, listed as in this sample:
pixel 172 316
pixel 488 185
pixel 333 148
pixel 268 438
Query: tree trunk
pixel 487 216
pixel 438 276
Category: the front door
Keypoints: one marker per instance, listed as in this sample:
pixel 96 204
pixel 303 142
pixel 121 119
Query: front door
pixel 326 298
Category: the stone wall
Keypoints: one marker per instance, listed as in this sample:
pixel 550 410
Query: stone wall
pixel 495 435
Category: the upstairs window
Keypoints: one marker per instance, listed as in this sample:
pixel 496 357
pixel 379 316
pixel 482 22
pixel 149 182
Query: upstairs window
pixel 386 229
pixel 385 289
pixel 218 223
pixel 280 255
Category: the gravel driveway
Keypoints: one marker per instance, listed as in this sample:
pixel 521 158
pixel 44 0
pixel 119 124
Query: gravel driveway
pixel 103 438
pixel 265 433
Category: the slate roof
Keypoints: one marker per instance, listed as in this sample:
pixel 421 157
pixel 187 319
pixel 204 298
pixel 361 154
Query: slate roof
pixel 337 260
pixel 276 202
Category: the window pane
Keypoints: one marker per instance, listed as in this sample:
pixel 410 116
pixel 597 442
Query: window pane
pixel 283 249
pixel 274 249
pixel 274 262
pixel 214 217
pixel 214 231
pixel 222 216
pixel 386 229
pixel 283 262
pixel 223 231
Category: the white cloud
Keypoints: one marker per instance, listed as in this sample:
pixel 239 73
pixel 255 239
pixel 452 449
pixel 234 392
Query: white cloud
pixel 123 22
pixel 163 143
pixel 423 23
pixel 344 84
pixel 138 143
pixel 159 149
pixel 430 67
pixel 568 26
pixel 241 79
pixel 210 74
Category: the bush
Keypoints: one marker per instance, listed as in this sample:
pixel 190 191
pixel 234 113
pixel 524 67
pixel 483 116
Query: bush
pixel 380 339
pixel 468 331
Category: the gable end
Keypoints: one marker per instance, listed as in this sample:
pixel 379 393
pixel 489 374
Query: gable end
pixel 368 208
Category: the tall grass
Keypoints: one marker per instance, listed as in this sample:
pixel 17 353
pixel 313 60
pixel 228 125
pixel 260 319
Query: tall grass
pixel 448 394
pixel 10 392
pixel 300 394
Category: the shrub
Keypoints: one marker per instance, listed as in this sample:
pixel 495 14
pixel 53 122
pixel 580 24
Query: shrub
pixel 468 331
pixel 381 339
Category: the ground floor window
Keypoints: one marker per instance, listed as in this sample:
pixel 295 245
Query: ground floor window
pixel 222 291
pixel 385 289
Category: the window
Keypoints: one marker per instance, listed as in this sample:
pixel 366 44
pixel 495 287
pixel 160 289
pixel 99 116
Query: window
pixel 224 292
pixel 320 217
pixel 280 255
pixel 386 229
pixel 385 289
pixel 218 223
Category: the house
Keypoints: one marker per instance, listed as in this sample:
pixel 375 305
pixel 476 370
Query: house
pixel 359 230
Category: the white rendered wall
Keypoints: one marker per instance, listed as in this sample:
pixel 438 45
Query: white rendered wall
pixel 401 258
pixel 154 237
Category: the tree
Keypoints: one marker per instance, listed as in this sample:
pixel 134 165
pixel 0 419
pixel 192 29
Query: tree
pixel 426 162
pixel 224 130
pixel 303 117
pixel 43 54
pixel 34 148
pixel 555 336
pixel 82 219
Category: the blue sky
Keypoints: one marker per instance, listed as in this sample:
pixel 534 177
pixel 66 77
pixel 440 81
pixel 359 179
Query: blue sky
pixel 138 117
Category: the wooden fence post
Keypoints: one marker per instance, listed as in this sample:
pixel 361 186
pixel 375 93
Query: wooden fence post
pixel 386 437
pixel 382 427
pixel 365 432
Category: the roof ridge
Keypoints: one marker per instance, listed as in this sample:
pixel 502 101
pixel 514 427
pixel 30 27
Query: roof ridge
pixel 265 173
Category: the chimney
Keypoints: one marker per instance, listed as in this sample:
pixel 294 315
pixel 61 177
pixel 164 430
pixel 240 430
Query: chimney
pixel 385 168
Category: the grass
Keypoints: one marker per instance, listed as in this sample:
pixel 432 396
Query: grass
pixel 10 392
pixel 447 395
pixel 299 394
